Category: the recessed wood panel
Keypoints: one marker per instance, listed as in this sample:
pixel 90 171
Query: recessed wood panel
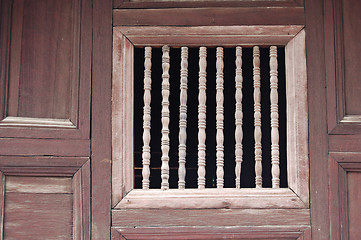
pixel 44 57
pixel 352 49
pixel 38 208
pixel 353 202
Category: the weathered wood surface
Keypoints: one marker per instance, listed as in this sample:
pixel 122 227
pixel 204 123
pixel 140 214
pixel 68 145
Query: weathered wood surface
pixel 318 142
pixel 211 217
pixel 183 118
pixel 238 115
pixel 207 3
pixel 211 198
pixel 36 216
pixel 122 117
pixel 146 117
pixel 257 116
pixel 208 16
pixel 238 232
pixel 165 118
pixel 210 35
pixel 50 147
pixel 297 117
pixel 101 118
pixel 202 123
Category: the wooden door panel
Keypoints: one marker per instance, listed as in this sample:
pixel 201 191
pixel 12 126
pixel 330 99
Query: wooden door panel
pixel 46 82
pixel 342 46
pixel 45 197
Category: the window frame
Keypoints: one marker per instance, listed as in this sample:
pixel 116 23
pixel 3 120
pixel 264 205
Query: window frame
pixel 125 38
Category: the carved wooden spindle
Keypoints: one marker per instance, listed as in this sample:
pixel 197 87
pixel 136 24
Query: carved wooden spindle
pixel 219 118
pixel 183 118
pixel 146 117
pixel 275 154
pixel 165 119
pixel 202 98
pixel 257 116
pixel 238 116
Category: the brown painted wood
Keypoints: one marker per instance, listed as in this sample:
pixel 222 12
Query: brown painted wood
pixel 209 217
pixel 50 147
pixel 353 201
pixel 251 232
pixel 208 17
pixel 48 75
pixel 204 3
pixel 318 141
pixel 345 143
pixel 41 161
pixel 101 119
pixel 2 204
pixel 35 216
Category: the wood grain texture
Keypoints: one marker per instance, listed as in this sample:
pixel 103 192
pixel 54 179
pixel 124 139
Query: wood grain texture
pixel 49 69
pixel 249 232
pixel 34 216
pixel 211 217
pixel 344 143
pixel 2 204
pixel 122 117
pixel 208 16
pixel 353 202
pixel 297 117
pixel 41 161
pixel 318 142
pixel 211 199
pixel 20 184
pixel 204 3
pixel 101 119
pixel 50 147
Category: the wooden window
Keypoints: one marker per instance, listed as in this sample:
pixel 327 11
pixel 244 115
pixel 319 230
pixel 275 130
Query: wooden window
pixel 126 38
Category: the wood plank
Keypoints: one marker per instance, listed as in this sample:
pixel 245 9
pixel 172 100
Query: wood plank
pixel 21 184
pixel 2 204
pixel 205 3
pixel 249 232
pixel 101 119
pixel 353 203
pixel 41 161
pixel 57 147
pixel 208 17
pixel 318 148
pixel 211 198
pixel 212 217
pixel 345 143
pixel 38 216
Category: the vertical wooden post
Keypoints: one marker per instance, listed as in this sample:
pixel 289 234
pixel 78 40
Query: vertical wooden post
pixel 219 118
pixel 183 118
pixel 165 119
pixel 146 117
pixel 202 98
pixel 275 154
pixel 257 116
pixel 238 117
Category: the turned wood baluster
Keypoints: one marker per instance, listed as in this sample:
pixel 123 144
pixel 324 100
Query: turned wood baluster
pixel 238 116
pixel 275 154
pixel 146 117
pixel 257 116
pixel 219 118
pixel 202 98
pixel 165 119
pixel 183 118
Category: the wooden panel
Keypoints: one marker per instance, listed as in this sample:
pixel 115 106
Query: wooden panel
pixel 205 3
pixel 208 17
pixel 50 147
pixel 343 74
pixel 44 58
pixel 249 232
pixel 318 148
pixel 211 217
pixel 46 83
pixel 101 119
pixel 17 184
pixel 34 216
pixel 353 202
